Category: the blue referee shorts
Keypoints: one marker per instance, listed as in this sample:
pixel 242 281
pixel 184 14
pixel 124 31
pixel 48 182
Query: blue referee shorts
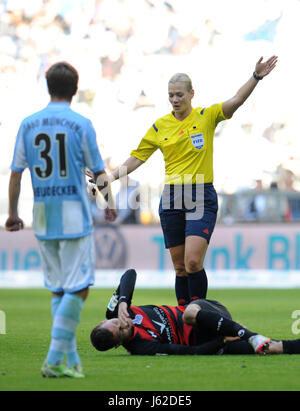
pixel 188 210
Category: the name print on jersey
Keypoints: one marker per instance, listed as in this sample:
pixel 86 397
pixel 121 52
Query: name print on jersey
pixel 52 121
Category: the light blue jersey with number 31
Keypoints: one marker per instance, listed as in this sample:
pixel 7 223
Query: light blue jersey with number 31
pixel 57 144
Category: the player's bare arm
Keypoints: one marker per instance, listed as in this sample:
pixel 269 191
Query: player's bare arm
pixel 262 69
pixel 123 314
pixel 14 223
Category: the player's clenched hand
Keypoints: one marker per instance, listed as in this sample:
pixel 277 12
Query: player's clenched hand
pixel 14 224
pixel 111 214
pixel 123 314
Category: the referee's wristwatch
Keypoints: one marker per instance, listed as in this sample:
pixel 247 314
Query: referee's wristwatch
pixel 256 76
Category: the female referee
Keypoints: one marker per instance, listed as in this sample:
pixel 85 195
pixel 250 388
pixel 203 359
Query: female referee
pixel 188 208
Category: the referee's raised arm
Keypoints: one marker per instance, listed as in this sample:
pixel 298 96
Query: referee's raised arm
pixel 261 70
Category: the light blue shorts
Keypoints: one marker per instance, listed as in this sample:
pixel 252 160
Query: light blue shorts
pixel 68 265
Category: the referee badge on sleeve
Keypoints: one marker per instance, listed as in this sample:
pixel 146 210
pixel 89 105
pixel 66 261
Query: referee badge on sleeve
pixel 197 140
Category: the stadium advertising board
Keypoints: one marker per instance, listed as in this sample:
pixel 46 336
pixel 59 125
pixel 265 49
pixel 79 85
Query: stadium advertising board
pixel 243 247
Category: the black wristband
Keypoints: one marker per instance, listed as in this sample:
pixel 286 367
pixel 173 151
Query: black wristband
pixel 256 76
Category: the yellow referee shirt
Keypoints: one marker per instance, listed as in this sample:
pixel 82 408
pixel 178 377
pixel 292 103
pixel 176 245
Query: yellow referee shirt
pixel 187 145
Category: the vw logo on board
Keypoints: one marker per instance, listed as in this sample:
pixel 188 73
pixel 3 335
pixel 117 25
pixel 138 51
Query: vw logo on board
pixel 110 247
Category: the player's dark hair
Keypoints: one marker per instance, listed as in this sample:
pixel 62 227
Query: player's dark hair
pixel 62 80
pixel 102 339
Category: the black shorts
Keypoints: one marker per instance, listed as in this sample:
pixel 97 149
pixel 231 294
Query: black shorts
pixel 235 347
pixel 213 306
pixel 203 336
pixel 179 220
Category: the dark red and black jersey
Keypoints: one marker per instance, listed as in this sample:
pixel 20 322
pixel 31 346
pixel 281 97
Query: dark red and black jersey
pixel 161 330
pixel 162 323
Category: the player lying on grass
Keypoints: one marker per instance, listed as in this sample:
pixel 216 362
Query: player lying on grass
pixel 203 327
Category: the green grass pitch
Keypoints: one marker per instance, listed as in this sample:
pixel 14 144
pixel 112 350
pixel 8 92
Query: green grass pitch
pixel 25 344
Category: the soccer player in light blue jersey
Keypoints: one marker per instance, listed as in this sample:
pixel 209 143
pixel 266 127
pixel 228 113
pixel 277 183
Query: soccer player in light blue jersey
pixel 58 145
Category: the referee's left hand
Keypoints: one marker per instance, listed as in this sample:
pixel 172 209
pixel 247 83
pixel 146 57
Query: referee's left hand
pixel 263 69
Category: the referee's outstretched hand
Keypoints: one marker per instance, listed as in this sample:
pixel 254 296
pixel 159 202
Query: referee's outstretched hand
pixel 263 69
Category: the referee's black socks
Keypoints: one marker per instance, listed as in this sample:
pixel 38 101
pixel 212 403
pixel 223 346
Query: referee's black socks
pixel 182 290
pixel 198 284
pixel 219 325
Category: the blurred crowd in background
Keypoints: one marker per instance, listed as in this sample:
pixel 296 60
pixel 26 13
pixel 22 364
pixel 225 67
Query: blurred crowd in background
pixel 125 52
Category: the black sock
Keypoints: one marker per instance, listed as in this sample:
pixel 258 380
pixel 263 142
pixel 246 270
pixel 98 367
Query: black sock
pixel 216 323
pixel 182 290
pixel 197 285
pixel 238 348
pixel 291 346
